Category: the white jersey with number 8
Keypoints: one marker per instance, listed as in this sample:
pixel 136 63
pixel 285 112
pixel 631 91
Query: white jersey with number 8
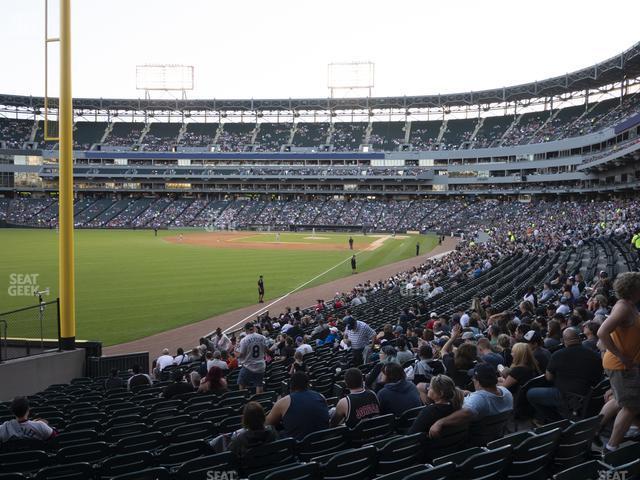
pixel 251 352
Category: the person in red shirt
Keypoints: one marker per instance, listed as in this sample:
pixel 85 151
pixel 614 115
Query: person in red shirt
pixel 433 318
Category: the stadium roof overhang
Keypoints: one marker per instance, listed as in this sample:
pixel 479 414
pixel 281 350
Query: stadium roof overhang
pixel 626 65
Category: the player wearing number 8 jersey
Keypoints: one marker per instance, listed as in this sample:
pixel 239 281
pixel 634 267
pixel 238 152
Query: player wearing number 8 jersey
pixel 251 358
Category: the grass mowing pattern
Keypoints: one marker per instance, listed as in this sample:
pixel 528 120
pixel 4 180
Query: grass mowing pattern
pixel 130 284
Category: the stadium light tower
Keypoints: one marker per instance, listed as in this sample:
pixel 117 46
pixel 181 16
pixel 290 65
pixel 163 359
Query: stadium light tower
pixel 164 78
pixel 66 274
pixel 350 78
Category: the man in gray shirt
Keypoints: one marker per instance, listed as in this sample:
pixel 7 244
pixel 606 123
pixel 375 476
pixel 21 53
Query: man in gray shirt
pixel 21 428
pixel 489 399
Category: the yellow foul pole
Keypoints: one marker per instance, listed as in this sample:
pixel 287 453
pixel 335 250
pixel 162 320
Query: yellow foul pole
pixel 66 250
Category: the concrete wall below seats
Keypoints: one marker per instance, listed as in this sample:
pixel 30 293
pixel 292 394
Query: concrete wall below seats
pixel 29 375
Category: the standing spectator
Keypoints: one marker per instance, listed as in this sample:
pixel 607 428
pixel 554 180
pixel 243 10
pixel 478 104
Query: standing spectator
pixel 220 341
pixel 398 394
pixel 301 412
pixel 358 404
pixel 251 358
pixel 21 428
pixel 620 334
pixel 360 335
pixel 573 369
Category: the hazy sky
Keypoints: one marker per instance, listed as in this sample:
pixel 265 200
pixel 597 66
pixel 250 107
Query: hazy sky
pixel 281 48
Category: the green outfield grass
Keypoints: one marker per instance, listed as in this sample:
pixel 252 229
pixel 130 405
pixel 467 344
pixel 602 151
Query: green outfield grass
pixel 130 284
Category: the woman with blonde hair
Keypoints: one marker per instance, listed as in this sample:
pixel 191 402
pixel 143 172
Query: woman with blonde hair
pixel 523 368
pixel 445 399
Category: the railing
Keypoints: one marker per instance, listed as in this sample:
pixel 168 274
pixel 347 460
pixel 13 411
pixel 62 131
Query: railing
pixel 3 340
pixel 29 331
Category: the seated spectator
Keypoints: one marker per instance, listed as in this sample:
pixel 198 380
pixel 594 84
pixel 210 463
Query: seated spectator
pixel 195 356
pixel 541 354
pixel 164 360
pixel 398 394
pixel 254 433
pixel 445 399
pixel 114 381
pixel 461 361
pixel 523 368
pixel 489 399
pixel 331 337
pixel 21 428
pixel 547 293
pixel 138 378
pixel 358 404
pixel 590 330
pixel 214 382
pixel 177 386
pixel 298 364
pixel 301 412
pixel 375 378
pixel 573 369
pixel 214 359
pixel 554 334
pixel 194 379
pixel 564 308
pixel 403 354
pixel 422 371
pixel 386 334
pixel 302 346
pixel 181 357
pixel 487 354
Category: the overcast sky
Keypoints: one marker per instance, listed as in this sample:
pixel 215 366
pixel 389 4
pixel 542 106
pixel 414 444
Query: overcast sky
pixel 281 48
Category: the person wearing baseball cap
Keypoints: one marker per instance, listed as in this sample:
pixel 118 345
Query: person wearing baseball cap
pixel 433 318
pixel 488 400
pixel 541 354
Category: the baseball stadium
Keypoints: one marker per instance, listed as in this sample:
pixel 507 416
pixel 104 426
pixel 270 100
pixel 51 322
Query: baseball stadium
pixel 440 286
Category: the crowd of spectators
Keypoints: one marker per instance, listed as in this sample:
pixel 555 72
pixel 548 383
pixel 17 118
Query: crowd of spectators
pixel 15 132
pixel 475 363
pixel 531 127
pixel 450 216
pixel 465 366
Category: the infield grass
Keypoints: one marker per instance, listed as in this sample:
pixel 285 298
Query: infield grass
pixel 130 284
